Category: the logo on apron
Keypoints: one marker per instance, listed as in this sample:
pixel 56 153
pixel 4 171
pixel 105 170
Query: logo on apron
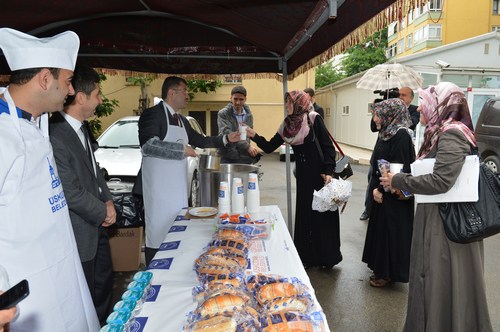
pixel 56 182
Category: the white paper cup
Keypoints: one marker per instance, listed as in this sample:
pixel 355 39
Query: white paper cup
pixel 395 168
pixel 224 192
pixel 243 132
pixel 224 208
pixel 237 197
pixel 253 194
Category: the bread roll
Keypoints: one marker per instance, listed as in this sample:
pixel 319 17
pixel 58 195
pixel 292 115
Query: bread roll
pixel 215 324
pixel 276 290
pixel 220 304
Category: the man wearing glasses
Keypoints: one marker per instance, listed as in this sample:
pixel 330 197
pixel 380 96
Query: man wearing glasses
pixel 164 135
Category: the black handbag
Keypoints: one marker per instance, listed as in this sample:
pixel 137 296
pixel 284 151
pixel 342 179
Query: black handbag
pixel 467 222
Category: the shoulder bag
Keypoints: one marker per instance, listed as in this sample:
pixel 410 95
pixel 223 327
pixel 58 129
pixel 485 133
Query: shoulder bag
pixel 343 167
pixel 466 222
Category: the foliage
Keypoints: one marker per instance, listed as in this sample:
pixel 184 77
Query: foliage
pixel 358 58
pixel 205 86
pixel 366 55
pixel 327 74
pixel 106 108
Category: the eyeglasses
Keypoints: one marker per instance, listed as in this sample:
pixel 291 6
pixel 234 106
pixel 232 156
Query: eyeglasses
pixel 185 91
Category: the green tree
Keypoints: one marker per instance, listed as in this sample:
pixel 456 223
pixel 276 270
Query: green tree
pixel 366 55
pixel 358 58
pixel 205 86
pixel 327 74
pixel 106 108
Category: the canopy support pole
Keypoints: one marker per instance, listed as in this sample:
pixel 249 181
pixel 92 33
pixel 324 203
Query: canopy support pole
pixel 287 149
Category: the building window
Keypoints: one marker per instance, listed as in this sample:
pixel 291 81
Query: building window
pixel 435 5
pixel 232 78
pixel 434 31
pixel 495 7
pixel 419 11
pixel 409 41
pixel 428 32
pixel 410 17
pixel 345 110
pixel 495 28
pixel 401 44
pixel 392 29
pixel 391 50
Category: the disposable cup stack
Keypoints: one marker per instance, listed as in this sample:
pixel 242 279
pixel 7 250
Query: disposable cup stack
pixel 253 194
pixel 224 198
pixel 237 197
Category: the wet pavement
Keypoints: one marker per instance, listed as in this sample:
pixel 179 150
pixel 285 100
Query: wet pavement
pixel 349 302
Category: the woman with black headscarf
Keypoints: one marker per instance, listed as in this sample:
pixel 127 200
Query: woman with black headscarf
pixel 447 289
pixel 389 232
pixel 316 234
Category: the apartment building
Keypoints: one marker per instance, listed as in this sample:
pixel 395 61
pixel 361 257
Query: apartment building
pixel 441 22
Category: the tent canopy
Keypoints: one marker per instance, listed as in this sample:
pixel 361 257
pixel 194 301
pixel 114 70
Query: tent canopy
pixel 204 36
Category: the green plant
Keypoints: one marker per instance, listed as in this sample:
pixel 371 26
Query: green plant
pixel 205 86
pixel 106 108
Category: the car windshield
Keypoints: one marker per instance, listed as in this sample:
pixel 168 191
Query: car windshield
pixel 121 134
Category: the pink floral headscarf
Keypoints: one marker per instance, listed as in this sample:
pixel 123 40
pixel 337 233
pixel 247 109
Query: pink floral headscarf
pixel 295 128
pixel 444 107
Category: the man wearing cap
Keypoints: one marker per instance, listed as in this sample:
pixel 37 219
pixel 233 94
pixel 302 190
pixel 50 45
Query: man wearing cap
pixel 164 135
pixel 229 119
pixel 36 238
pixel 90 203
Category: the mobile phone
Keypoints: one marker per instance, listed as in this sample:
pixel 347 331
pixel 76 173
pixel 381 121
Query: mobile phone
pixel 14 295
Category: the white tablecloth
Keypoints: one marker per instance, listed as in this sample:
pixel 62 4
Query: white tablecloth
pixel 174 278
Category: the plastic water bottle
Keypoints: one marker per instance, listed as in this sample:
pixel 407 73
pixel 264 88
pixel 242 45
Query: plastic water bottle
pixel 112 328
pixel 125 306
pixel 139 286
pixel 117 320
pixel 134 297
pixel 143 276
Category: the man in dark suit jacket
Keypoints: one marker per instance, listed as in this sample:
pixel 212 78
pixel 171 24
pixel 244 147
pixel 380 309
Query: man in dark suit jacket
pixel 165 137
pixel 89 200
pixel 406 94
pixel 318 109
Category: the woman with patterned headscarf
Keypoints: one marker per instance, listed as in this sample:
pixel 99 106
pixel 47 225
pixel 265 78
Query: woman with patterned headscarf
pixel 316 234
pixel 389 232
pixel 447 288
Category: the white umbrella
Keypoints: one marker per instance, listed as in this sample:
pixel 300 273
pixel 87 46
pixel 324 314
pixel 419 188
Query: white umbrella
pixel 388 76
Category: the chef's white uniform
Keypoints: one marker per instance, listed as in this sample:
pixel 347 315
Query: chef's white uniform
pixel 36 236
pixel 164 188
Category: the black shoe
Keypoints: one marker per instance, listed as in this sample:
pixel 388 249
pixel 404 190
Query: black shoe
pixel 364 216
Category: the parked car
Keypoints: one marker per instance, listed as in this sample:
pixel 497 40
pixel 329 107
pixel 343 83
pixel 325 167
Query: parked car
pixel 282 151
pixel 119 154
pixel 488 133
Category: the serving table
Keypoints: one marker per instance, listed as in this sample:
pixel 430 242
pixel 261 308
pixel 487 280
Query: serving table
pixel 170 298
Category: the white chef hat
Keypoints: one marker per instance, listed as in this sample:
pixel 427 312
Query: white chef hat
pixel 23 51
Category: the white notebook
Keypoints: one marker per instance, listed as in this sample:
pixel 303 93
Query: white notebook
pixel 465 188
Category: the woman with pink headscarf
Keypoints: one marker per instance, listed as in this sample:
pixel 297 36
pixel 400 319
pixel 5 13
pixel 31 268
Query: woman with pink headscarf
pixel 316 234
pixel 447 289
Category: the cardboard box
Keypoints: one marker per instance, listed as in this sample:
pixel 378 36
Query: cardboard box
pixel 125 246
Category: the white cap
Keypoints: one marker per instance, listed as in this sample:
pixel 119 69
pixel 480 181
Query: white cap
pixel 23 51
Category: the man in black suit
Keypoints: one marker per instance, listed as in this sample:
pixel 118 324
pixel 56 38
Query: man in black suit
pixel 318 109
pixel 164 135
pixel 89 200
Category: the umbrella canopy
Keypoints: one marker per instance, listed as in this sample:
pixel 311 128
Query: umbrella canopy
pixel 388 76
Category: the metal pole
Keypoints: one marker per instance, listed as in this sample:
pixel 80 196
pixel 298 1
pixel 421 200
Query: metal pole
pixel 287 149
